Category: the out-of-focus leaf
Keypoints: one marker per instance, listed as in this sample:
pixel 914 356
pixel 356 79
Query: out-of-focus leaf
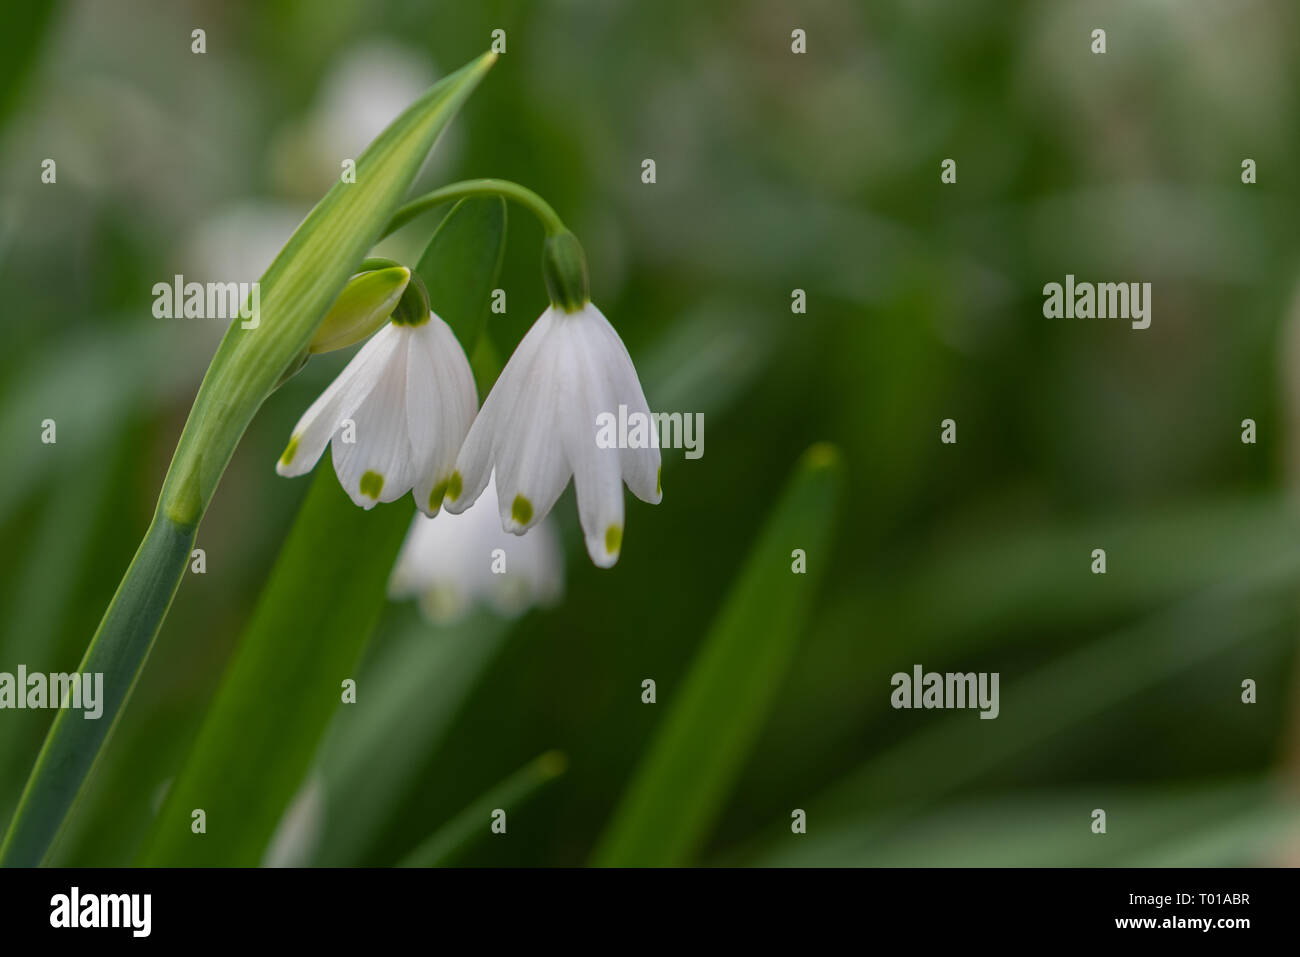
pixel 20 43
pixel 680 786
pixel 445 844
pixel 1185 822
pixel 955 751
pixel 136 364
pixel 54 560
pixel 319 606
pixel 415 688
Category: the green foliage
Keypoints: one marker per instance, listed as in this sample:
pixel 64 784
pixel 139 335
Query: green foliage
pixel 317 611
pixel 712 722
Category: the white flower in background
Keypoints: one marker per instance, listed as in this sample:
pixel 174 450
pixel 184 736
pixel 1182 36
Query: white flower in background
pixel 299 832
pixel 538 427
pixel 452 562
pixel 363 90
pixel 396 414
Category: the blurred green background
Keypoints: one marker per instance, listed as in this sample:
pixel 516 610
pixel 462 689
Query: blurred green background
pixel 775 171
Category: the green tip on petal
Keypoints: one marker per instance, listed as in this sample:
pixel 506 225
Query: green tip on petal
pixel 290 451
pixel 659 481
pixel 613 539
pixel 436 496
pixel 372 483
pixel 521 510
pixel 454 486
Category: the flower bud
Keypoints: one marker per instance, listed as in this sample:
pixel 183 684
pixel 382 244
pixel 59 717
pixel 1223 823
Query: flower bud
pixel 362 307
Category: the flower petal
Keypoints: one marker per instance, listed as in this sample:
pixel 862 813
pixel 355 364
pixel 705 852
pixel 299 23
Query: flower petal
pixel 532 468
pixel 496 427
pixel 597 472
pixel 379 466
pixel 641 466
pixel 441 401
pixel 338 401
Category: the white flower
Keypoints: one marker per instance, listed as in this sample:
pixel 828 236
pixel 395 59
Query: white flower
pixel 538 427
pixel 397 414
pixel 453 561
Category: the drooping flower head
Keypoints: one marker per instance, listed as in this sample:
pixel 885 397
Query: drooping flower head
pixel 395 416
pixel 538 425
pixel 452 562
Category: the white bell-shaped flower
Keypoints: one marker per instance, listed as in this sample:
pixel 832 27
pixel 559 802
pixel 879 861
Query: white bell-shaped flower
pixel 452 562
pixel 396 416
pixel 540 424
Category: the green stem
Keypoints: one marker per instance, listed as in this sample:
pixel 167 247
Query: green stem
pixel 465 189
pixel 118 651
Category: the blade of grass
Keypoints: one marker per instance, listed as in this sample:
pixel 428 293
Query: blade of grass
pixel 681 784
pixel 295 293
pixel 451 840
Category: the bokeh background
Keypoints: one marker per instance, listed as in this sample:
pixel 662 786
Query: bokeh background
pixel 775 171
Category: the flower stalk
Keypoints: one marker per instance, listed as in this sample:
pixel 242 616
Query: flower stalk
pixel 564 265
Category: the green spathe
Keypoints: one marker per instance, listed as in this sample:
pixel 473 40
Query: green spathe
pixel 362 307
pixel 298 288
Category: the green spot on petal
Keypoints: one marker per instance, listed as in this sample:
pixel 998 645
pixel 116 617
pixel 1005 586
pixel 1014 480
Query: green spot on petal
pixel 437 495
pixel 290 451
pixel 372 483
pixel 454 486
pixel 521 510
pixel 613 539
pixel 659 481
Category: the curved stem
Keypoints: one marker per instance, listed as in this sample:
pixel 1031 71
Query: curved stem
pixel 465 189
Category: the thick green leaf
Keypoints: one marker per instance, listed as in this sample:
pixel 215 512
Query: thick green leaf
pixel 714 718
pixel 306 637
pixel 474 823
